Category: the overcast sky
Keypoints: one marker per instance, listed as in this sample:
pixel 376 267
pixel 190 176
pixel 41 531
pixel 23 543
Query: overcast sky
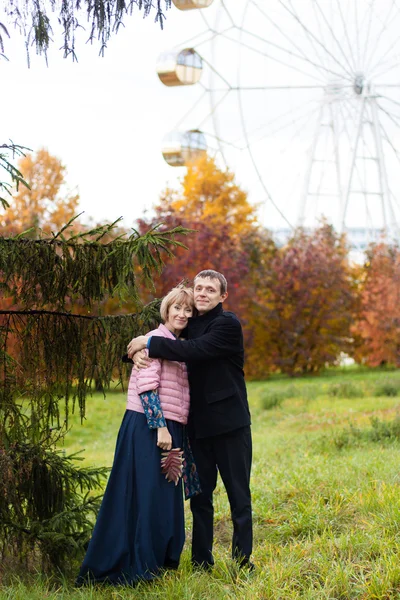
pixel 105 117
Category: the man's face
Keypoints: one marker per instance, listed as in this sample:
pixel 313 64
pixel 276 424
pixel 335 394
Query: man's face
pixel 207 294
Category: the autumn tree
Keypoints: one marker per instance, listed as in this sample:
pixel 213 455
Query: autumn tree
pixel 207 249
pixel 305 305
pixel 211 204
pixel 260 250
pixel 47 204
pixel 209 195
pixel 377 328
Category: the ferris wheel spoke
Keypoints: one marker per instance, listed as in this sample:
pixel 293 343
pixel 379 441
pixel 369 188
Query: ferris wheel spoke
pixel 222 141
pixel 383 29
pixel 282 127
pixel 300 54
pixel 192 40
pixel 295 55
pixel 203 16
pixel 346 32
pixel 367 37
pixel 307 30
pixel 391 100
pixel 381 62
pixel 214 70
pixel 392 117
pixel 223 4
pixel 392 68
pixel 320 30
pixel 297 132
pixel 260 178
pixel 329 26
pixel 215 35
pixel 264 88
pixel 389 141
pixel 357 30
pixel 214 107
pixel 311 41
pixel 191 109
pixel 283 115
pixel 277 60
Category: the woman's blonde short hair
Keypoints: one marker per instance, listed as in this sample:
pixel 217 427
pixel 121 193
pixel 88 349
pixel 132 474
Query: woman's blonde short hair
pixel 178 295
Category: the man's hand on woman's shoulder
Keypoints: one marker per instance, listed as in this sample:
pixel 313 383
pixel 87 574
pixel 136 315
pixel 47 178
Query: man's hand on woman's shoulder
pixel 138 343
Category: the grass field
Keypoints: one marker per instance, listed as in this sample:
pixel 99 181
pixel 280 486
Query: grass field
pixel 325 485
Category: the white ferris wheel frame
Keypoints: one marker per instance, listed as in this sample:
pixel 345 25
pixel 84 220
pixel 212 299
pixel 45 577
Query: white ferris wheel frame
pixel 345 69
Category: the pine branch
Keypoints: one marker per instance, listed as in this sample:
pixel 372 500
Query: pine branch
pixel 51 270
pixel 8 152
pixel 49 363
pixel 54 358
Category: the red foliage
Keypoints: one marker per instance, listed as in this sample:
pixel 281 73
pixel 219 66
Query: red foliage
pixel 208 248
pixel 378 324
pixel 305 305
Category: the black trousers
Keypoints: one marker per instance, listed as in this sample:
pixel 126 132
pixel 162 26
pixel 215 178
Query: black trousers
pixel 230 454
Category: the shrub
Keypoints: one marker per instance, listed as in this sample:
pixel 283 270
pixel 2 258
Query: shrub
pixel 307 392
pixel 271 398
pixel 345 389
pixel 380 431
pixel 384 430
pixel 387 387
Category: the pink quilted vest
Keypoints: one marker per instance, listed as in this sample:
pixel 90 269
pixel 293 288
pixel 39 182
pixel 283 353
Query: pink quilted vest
pixel 169 377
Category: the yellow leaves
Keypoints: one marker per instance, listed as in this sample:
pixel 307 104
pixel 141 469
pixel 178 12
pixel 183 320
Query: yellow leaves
pixel 47 204
pixel 211 195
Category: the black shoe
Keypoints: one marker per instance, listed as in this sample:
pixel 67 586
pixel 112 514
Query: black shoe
pixel 203 566
pixel 247 565
pixel 171 565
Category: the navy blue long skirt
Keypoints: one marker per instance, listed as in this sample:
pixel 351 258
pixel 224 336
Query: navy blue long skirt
pixel 140 526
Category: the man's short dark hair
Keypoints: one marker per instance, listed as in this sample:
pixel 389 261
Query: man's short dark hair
pixel 210 274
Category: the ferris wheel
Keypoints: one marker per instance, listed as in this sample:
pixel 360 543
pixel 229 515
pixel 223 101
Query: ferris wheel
pixel 301 99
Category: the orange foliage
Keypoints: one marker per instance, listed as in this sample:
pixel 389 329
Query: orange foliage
pixel 209 195
pixel 304 306
pixel 47 205
pixel 378 325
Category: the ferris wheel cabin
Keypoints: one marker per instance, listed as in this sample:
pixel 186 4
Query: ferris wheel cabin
pixel 183 67
pixel 181 148
pixel 191 4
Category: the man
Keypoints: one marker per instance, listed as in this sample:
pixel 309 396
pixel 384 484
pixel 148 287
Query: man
pixel 219 419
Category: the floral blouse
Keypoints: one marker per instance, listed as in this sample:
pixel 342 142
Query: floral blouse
pixel 152 409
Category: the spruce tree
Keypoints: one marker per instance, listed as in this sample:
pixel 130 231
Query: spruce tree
pixel 50 357
pixel 49 361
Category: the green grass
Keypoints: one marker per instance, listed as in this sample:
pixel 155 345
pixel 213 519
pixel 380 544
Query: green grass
pixel 326 496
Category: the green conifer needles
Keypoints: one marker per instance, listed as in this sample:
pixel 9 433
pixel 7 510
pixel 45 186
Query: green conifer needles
pixel 54 269
pixel 50 360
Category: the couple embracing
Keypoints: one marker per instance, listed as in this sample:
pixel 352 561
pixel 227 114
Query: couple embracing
pixel 140 528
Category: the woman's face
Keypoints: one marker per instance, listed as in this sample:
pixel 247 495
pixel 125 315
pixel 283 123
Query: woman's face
pixel 178 315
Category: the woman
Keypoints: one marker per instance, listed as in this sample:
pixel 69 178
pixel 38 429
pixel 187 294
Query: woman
pixel 140 526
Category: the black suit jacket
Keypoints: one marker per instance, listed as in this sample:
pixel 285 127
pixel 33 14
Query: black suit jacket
pixel 215 357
